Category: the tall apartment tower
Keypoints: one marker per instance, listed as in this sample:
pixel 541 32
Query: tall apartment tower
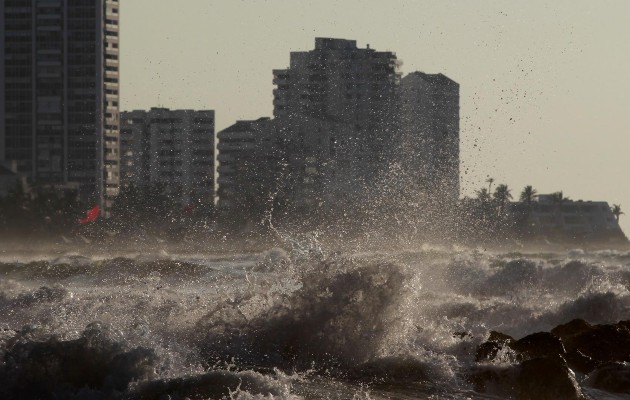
pixel 170 148
pixel 340 82
pixel 337 106
pixel 59 115
pixel 430 133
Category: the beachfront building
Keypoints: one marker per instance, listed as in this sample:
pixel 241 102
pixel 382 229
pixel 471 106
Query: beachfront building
pixel 249 160
pixel 585 219
pixel 267 164
pixel 336 105
pixel 429 142
pixel 59 117
pixel 173 149
pixel 347 136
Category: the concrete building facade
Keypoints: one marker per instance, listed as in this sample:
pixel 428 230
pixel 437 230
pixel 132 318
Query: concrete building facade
pixel 348 134
pixel 170 148
pixel 302 166
pixel 429 141
pixel 338 81
pixel 336 106
pixel 249 163
pixel 576 218
pixel 59 79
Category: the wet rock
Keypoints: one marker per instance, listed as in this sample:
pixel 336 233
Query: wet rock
pixel 548 360
pixel 612 377
pixel 547 378
pixel 580 362
pixel 540 344
pixel 571 329
pixel 584 346
pixel 488 350
pixel 536 345
pixel 603 343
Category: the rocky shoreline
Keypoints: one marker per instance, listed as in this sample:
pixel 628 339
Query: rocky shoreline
pixel 555 364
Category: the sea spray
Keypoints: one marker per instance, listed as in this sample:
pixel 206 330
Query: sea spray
pixel 307 323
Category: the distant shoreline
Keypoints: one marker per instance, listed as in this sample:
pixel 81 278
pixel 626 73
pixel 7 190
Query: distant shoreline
pixel 33 248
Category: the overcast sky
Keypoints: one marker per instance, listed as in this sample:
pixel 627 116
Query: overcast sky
pixel 544 85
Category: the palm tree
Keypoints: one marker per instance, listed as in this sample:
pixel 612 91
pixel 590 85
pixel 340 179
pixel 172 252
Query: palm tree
pixel 502 195
pixel 616 210
pixel 483 195
pixel 483 209
pixel 527 198
pixel 528 195
pixel 490 181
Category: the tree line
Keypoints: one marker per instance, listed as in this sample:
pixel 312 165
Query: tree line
pixel 491 215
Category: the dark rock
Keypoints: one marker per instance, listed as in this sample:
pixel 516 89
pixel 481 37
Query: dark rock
pixel 540 344
pixel 624 324
pixel 571 329
pixel 488 350
pixel 580 362
pixel 547 360
pixel 603 343
pixel 612 377
pixel 547 378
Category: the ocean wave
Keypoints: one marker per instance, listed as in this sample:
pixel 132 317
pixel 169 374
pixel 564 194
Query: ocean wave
pixel 295 324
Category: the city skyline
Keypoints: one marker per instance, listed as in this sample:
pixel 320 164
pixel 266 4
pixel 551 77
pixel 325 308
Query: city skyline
pixel 536 108
pixel 350 136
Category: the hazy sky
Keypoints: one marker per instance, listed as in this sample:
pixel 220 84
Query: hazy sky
pixel 544 85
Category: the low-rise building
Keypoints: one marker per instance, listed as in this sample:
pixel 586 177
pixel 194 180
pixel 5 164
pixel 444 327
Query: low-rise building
pixel 573 217
pixel 554 217
pixel 246 165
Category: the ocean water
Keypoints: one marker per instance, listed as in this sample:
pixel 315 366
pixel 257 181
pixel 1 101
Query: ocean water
pixel 302 323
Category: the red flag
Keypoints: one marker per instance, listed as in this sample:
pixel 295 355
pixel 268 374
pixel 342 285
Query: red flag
pixel 91 215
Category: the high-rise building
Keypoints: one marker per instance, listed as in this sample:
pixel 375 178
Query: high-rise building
pixel 338 81
pixel 59 83
pixel 170 148
pixel 350 138
pixel 337 106
pixel 429 140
